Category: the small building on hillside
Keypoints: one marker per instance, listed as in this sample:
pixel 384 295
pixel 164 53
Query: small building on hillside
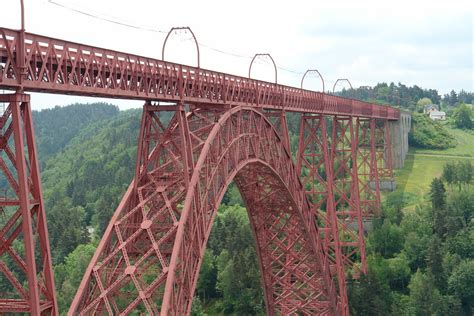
pixel 430 107
pixel 436 115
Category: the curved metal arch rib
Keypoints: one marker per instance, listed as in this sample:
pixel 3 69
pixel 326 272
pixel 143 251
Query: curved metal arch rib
pixel 151 252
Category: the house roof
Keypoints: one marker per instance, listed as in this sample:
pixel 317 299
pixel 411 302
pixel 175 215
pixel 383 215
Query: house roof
pixel 437 113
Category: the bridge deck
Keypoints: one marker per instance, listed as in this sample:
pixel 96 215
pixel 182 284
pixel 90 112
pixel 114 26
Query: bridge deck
pixel 58 66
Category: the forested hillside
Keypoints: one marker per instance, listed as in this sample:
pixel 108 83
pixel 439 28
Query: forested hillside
pixel 84 183
pixel 55 127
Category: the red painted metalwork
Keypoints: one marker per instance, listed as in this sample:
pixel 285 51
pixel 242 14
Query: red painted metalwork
pixel 31 280
pixel 309 71
pixel 346 194
pixel 273 62
pixel 344 79
pixel 152 250
pixel 58 66
pixel 383 149
pixel 308 232
pixel 316 171
pixel 369 184
pixel 186 28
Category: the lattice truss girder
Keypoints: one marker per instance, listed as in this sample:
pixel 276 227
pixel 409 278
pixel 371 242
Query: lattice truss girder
pixel 149 257
pixel 369 185
pixel 25 258
pixel 338 167
pixel 39 63
pixel 343 157
pixel 383 149
pixel 315 172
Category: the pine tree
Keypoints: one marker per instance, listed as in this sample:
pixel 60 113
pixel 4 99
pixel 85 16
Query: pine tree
pixel 438 204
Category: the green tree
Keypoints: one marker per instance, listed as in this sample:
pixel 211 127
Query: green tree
pixel 463 117
pixel 67 229
pixel 422 103
pixel 418 231
pixel 461 283
pixel 386 239
pixel 438 205
pixel 398 272
pixel 394 204
pixel 464 172
pixel 425 298
pixel 462 243
pixel 434 259
pixel 375 286
pixel 453 98
pixel 68 275
pixel 238 275
pixel 449 173
pixel 206 287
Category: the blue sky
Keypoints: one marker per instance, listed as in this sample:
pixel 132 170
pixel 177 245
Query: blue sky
pixel 428 43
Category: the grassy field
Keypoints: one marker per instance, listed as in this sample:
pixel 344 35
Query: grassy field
pixel 465 146
pixel 422 165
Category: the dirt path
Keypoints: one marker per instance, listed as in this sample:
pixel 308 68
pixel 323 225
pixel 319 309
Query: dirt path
pixel 438 155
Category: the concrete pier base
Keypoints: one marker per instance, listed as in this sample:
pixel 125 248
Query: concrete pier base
pixel 399 138
pixel 366 224
pixel 387 185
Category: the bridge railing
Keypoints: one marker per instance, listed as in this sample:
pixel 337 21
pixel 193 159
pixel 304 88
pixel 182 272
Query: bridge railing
pixel 58 66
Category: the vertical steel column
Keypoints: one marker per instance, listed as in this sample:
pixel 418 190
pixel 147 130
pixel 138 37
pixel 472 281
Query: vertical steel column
pixel 374 174
pixel 388 149
pixel 28 221
pixel 355 196
pixel 346 191
pixel 383 149
pixel 369 187
pixel 315 168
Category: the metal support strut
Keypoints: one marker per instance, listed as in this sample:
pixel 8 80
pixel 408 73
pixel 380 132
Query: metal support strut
pixel 32 285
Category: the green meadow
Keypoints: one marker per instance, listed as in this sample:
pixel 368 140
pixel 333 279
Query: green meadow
pixel 422 165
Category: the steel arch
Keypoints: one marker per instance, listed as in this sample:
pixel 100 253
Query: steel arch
pixel 152 250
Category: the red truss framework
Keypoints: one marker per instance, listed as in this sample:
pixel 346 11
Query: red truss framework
pixel 316 171
pixel 369 185
pixel 27 267
pixel 149 257
pixel 383 149
pixel 343 157
pixel 59 66
pixel 306 220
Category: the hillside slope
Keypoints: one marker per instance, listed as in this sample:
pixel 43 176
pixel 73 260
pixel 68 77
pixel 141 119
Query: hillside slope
pixel 55 127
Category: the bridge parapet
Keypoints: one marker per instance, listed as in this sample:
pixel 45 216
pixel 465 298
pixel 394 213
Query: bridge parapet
pixel 58 66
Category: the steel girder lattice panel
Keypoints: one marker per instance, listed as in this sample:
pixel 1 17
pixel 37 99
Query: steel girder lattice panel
pixel 346 193
pixel 368 176
pixel 25 258
pixel 58 66
pixel 149 257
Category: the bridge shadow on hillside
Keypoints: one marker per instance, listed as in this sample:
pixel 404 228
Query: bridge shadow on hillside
pixel 407 168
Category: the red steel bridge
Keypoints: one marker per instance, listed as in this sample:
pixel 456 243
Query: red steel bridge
pixel 307 216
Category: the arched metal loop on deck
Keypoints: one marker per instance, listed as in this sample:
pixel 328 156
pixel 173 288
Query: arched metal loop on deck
pixel 309 71
pixel 186 28
pixel 264 55
pixel 341 79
